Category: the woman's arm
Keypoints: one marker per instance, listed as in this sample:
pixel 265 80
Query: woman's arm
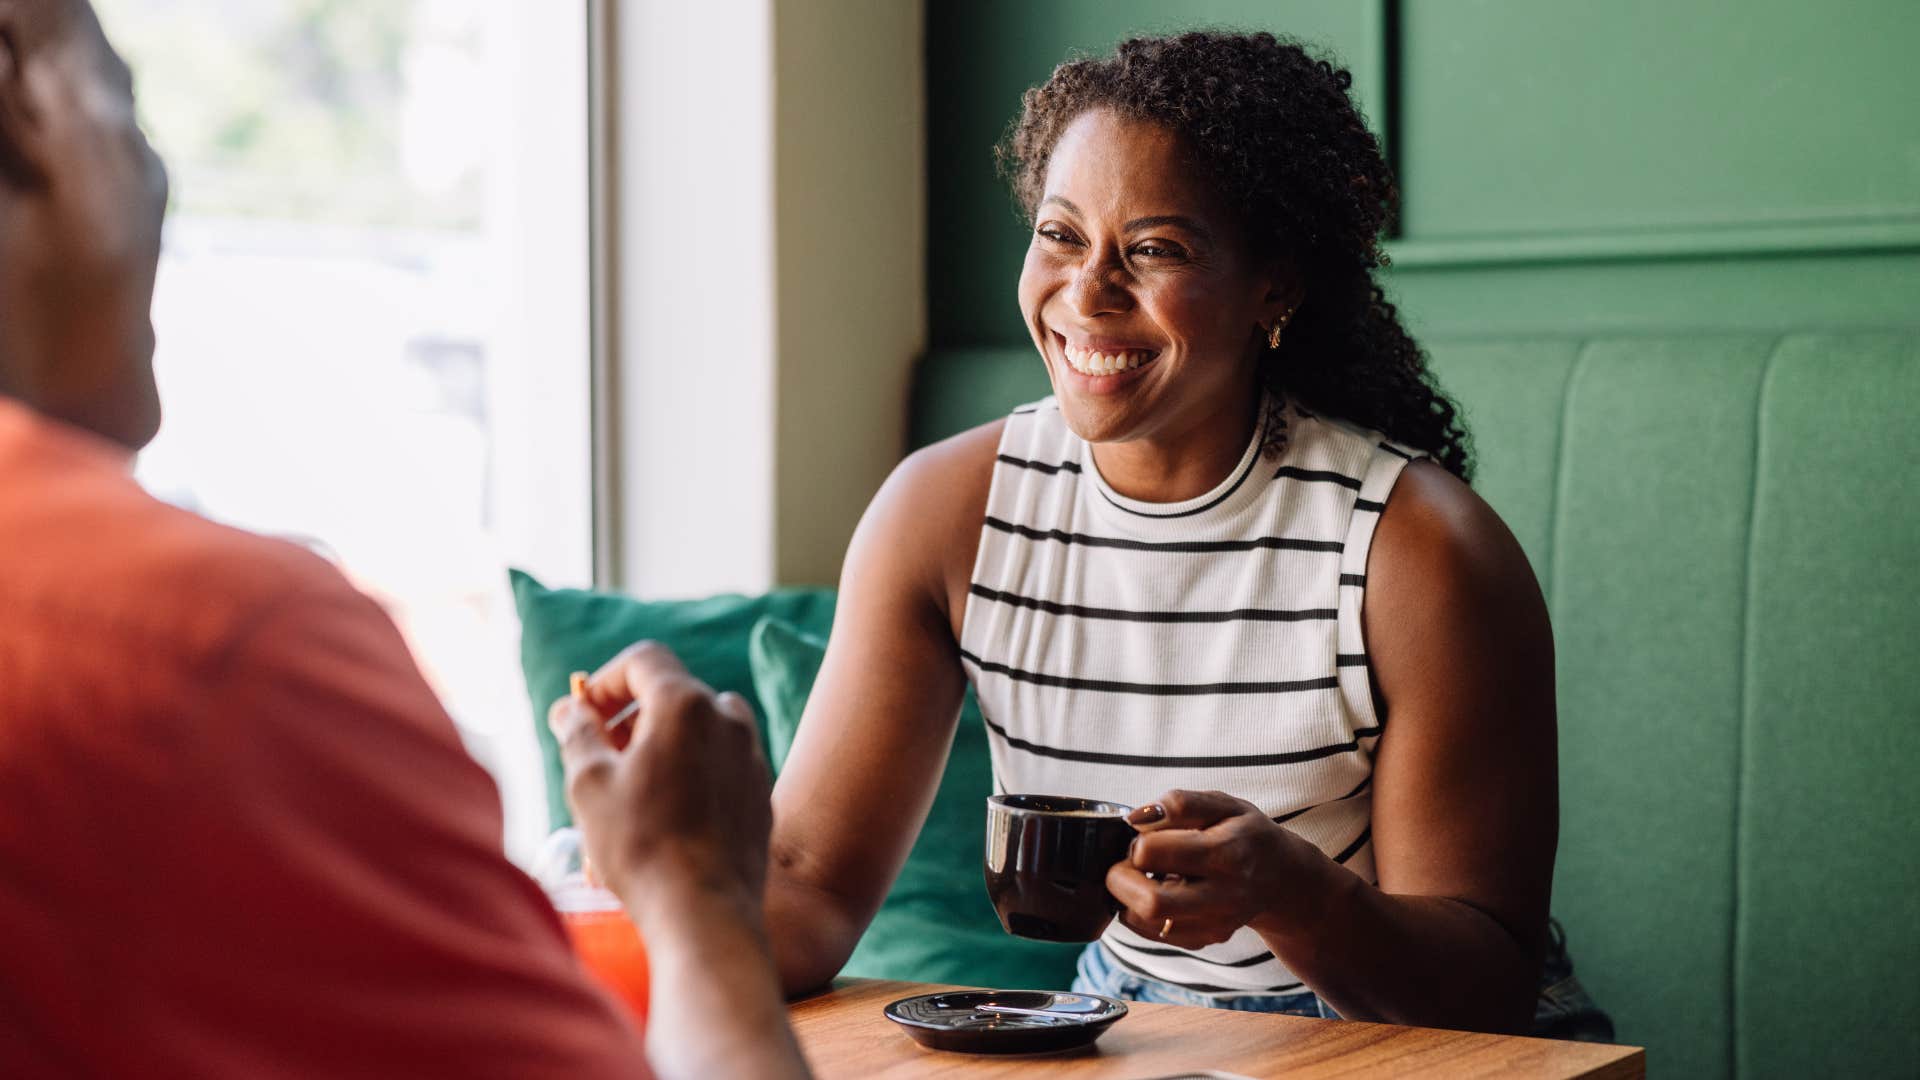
pixel 1466 804
pixel 1465 797
pixel 872 746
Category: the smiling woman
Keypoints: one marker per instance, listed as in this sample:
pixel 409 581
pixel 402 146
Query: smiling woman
pixel 1229 572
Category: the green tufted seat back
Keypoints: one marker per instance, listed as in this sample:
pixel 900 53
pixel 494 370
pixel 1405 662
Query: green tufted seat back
pixel 1727 529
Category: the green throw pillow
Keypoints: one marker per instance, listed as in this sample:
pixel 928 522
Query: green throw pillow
pixel 567 630
pixel 936 924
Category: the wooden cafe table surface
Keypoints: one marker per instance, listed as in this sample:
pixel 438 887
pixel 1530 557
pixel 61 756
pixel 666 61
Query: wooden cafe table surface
pixel 843 1035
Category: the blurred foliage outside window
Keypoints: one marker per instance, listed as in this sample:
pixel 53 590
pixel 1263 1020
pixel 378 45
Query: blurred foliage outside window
pixel 346 111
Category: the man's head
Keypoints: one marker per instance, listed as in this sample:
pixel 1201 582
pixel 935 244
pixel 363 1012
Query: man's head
pixel 81 198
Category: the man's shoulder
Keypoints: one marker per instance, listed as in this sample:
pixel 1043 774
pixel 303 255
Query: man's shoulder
pixel 84 549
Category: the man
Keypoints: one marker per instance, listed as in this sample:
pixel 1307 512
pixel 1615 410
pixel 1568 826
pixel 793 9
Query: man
pixel 238 835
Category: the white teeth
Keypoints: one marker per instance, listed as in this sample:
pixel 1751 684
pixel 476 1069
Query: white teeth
pixel 1089 362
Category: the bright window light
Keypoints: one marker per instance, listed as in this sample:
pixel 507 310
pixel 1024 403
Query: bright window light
pixel 372 309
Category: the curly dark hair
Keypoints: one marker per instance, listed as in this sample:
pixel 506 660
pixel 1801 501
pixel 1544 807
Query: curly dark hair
pixel 1273 129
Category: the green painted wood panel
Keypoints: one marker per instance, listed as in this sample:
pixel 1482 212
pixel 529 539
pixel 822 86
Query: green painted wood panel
pixel 983 54
pixel 1828 931
pixel 1520 117
pixel 1771 294
pixel 1650 542
pixel 957 389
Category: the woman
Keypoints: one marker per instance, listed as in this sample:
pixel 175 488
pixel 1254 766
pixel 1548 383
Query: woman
pixel 1230 572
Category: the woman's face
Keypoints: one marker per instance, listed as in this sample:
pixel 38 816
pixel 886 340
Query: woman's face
pixel 1138 290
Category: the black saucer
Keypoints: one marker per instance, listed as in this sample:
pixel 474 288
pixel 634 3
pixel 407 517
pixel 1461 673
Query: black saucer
pixel 955 1021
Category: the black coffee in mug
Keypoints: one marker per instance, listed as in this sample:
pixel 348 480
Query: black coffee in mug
pixel 1047 863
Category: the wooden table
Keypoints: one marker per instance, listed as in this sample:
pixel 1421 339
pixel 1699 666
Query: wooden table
pixel 844 1035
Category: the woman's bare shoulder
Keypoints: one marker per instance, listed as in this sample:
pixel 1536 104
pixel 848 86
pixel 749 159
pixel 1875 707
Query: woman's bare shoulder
pixel 1437 528
pixel 957 469
pixel 924 523
pixel 1449 589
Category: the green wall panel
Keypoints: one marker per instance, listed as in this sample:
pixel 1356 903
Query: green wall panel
pixel 1773 294
pixel 983 54
pixel 1519 116
pixel 956 389
pixel 1828 933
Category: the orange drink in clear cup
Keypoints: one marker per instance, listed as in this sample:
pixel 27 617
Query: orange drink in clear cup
pixel 610 947
pixel 603 937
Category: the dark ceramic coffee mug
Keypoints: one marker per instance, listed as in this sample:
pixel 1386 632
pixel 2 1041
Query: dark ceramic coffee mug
pixel 1047 863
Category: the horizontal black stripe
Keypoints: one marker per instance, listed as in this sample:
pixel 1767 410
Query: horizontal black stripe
pixel 1322 476
pixel 1201 988
pixel 1123 615
pixel 1350 660
pixel 1026 409
pixel 1368 506
pixel 1284 818
pixel 1238 761
pixel 1396 451
pixel 1250 961
pixel 1271 543
pixel 1038 466
pixel 1353 579
pixel 1353 849
pixel 1114 686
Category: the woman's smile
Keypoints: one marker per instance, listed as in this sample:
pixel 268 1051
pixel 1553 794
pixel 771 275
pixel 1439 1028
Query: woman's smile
pixel 1103 365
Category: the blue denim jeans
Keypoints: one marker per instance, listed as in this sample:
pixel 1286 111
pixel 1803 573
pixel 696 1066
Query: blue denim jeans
pixel 1563 1010
pixel 1100 973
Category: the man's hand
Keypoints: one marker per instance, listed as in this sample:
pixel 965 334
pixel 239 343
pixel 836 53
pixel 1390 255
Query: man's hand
pixel 675 806
pixel 675 814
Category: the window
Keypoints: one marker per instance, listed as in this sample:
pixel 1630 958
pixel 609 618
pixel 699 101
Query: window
pixel 373 309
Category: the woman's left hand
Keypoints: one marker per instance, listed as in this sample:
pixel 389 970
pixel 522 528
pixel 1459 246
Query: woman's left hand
pixel 1217 864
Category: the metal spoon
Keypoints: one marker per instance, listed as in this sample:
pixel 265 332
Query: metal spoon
pixel 1056 1014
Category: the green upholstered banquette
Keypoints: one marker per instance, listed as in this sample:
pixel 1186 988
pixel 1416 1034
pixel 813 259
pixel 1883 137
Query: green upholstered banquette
pixel 1727 529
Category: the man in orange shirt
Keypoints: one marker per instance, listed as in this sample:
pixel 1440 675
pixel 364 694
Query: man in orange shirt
pixel 238 835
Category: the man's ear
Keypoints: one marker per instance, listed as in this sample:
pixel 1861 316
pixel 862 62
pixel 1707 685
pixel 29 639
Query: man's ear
pixel 20 164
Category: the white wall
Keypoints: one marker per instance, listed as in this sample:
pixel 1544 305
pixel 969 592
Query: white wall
pixel 850 285
pixel 768 294
pixel 692 160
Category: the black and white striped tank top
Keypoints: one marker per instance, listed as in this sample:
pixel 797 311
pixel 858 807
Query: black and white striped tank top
pixel 1120 649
